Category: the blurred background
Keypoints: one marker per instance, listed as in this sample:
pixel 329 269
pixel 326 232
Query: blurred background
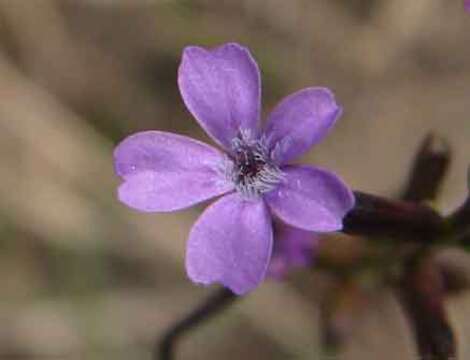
pixel 83 277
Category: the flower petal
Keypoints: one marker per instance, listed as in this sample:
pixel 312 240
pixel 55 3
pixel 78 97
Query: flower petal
pixel 311 198
pixel 293 248
pixel 166 172
pixel 163 151
pixel 222 89
pixel 150 191
pixel 300 121
pixel 231 243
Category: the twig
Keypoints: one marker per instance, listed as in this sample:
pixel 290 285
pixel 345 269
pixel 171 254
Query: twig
pixel 407 219
pixel 422 285
pixel 430 166
pixel 164 348
pixel 422 295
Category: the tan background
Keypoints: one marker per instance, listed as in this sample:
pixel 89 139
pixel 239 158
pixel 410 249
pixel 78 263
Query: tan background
pixel 83 277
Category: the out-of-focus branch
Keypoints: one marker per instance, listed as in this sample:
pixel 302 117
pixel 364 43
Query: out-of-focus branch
pixel 422 285
pixel 422 294
pixel 430 166
pixel 164 349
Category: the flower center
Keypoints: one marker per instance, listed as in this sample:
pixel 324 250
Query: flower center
pixel 253 171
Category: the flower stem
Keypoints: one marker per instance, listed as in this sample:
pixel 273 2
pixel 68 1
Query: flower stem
pixel 376 216
pixel 409 219
pixel 164 348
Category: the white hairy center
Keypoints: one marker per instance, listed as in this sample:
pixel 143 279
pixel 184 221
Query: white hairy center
pixel 253 171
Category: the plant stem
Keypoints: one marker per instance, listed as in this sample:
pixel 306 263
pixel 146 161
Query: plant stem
pixel 422 287
pixel 422 296
pixel 164 348
pixel 377 216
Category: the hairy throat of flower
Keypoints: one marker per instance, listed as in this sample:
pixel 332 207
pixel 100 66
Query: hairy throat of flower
pixel 253 172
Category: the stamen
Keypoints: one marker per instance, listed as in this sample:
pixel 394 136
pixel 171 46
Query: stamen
pixel 253 171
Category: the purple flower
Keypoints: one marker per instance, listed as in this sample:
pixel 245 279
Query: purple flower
pixel 467 5
pixel 232 241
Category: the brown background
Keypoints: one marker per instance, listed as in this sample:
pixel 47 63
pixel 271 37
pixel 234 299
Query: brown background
pixel 83 277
